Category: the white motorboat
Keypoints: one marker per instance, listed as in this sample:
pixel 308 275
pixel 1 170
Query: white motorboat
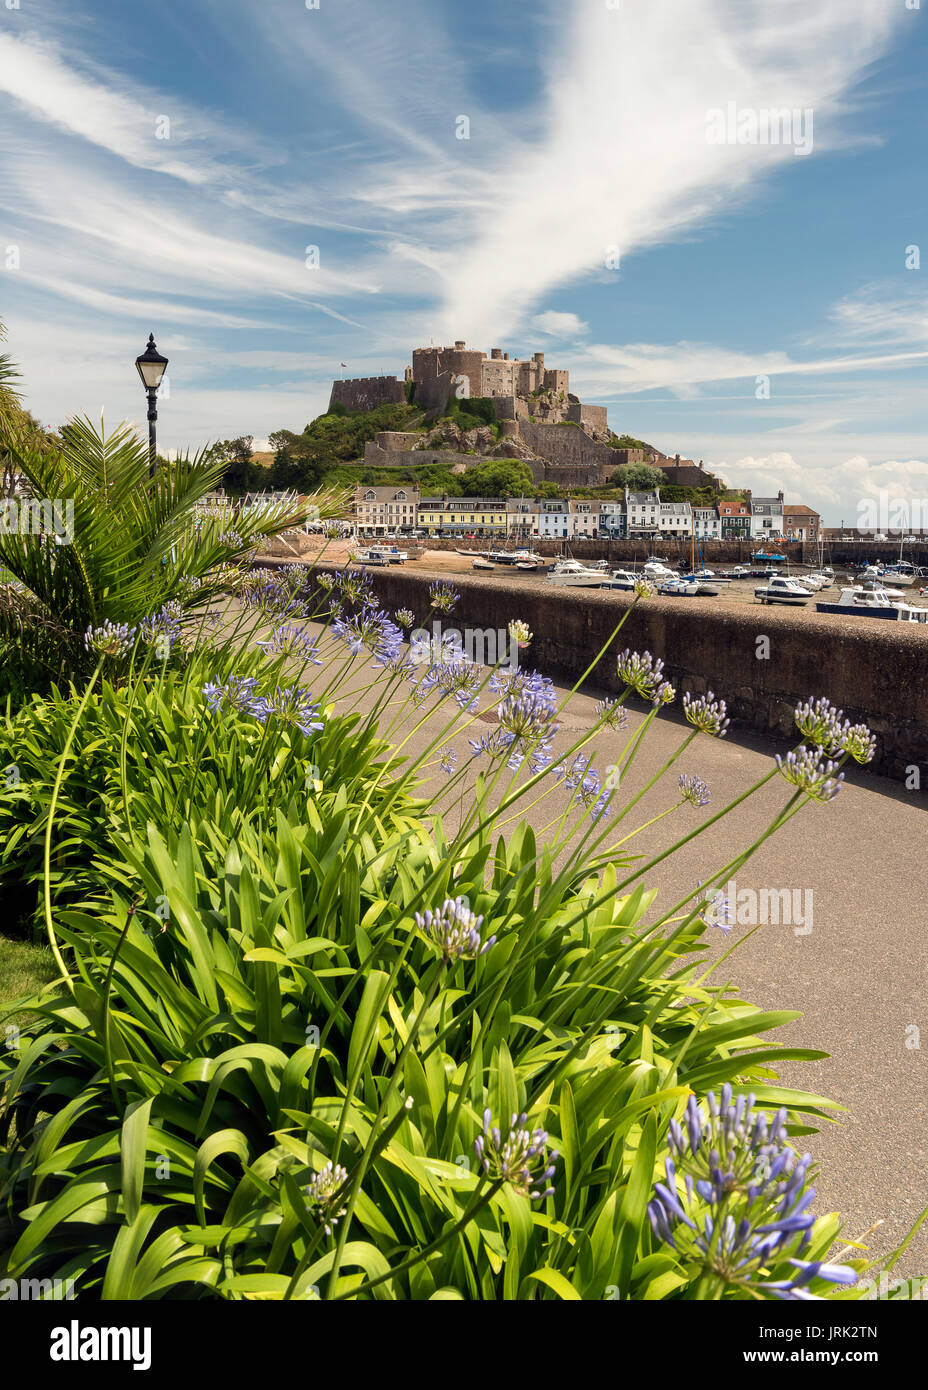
pixel 369 557
pixel 658 573
pixel 782 589
pixel 621 579
pixel 704 586
pixel 571 574
pixel 739 572
pixel 878 585
pixel 709 576
pixel 390 553
pixel 900 574
pixel 873 603
pixel 481 564
pixel 872 574
pixel 526 564
pixel 679 587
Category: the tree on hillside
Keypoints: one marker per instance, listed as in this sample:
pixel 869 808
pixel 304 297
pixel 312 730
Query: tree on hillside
pixel 498 478
pixel 332 441
pixel 640 477
pixel 239 473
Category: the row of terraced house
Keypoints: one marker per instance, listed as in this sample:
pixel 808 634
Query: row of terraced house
pixel 401 511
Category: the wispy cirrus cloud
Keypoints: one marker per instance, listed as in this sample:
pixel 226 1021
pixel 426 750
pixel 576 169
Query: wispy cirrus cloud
pixel 159 132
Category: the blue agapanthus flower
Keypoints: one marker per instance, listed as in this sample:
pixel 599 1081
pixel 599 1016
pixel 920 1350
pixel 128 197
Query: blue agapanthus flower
pixel 290 705
pixel 735 1204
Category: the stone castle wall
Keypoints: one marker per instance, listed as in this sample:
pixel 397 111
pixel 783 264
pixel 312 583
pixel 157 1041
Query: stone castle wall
pixel 367 392
pixel 375 457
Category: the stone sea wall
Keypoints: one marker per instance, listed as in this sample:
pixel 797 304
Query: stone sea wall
pixel 876 671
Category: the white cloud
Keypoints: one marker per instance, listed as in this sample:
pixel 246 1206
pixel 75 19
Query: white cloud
pixel 620 157
pixel 100 107
pixel 880 314
pixel 559 325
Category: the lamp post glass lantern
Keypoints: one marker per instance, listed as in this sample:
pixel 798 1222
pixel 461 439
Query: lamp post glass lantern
pixel 151 366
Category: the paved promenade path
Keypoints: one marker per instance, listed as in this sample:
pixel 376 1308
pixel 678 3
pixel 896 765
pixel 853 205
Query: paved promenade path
pixel 859 976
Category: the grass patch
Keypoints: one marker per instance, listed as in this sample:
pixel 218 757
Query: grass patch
pixel 24 969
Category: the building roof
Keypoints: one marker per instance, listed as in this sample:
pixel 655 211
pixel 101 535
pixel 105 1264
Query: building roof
pixel 798 509
pixel 640 499
pixel 774 504
pixel 386 494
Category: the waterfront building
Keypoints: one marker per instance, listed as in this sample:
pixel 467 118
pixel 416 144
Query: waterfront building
pixel 612 518
pixel 801 523
pixel 643 512
pixel 458 516
pixel 521 517
pixel 381 511
pixel 584 519
pixel 766 517
pixel 707 524
pixel 735 521
pixel 554 520
pixel 676 519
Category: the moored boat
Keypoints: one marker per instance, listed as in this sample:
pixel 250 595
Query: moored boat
pixel 864 601
pixel 572 574
pixel 782 589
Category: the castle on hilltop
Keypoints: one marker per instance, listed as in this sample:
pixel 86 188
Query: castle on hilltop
pixel 533 406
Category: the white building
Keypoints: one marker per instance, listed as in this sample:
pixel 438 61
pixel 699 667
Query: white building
pixel 381 511
pixel 643 510
pixel 676 519
pixel 707 524
pixel 766 517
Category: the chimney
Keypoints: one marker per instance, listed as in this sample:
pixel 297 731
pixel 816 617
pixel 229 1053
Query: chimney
pixel 497 354
pixel 539 357
pixel 460 345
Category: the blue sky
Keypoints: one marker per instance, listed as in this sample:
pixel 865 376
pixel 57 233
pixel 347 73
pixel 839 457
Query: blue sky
pixel 288 127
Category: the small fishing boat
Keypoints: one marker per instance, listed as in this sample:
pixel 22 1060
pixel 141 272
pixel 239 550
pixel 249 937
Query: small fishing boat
pixel 481 564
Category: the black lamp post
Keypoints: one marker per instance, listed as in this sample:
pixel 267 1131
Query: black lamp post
pixel 151 367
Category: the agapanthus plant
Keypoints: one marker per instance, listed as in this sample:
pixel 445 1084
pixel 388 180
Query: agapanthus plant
pixel 735 1203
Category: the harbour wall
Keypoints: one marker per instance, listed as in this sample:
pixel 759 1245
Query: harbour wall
pixel 876 671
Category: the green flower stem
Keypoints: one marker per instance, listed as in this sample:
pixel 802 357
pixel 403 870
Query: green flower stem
pixel 361 1169
pixel 53 804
